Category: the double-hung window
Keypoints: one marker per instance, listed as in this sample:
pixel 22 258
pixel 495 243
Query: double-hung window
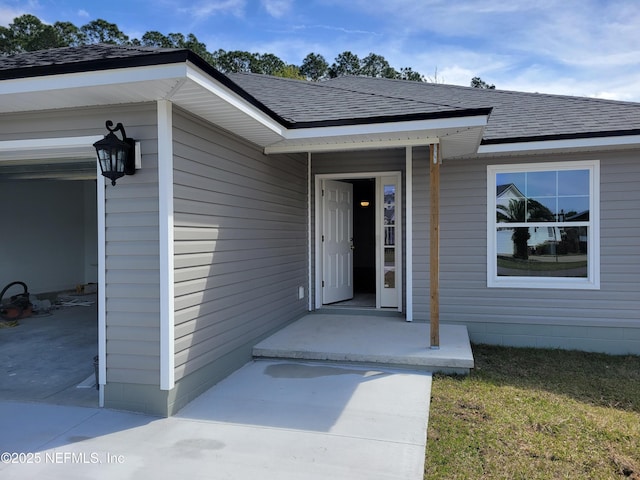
pixel 543 225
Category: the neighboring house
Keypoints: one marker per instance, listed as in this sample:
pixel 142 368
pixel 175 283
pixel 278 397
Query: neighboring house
pixel 233 226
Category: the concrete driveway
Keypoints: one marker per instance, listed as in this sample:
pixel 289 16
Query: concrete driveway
pixel 268 420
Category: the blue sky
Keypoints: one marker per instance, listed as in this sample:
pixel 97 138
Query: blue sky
pixel 572 47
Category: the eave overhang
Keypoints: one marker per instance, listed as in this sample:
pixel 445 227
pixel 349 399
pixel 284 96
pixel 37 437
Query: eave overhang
pixel 590 141
pixel 184 84
pixel 196 87
pixel 458 135
pixel 185 79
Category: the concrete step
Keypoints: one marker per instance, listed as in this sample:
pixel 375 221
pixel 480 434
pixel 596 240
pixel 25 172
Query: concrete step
pixel 371 340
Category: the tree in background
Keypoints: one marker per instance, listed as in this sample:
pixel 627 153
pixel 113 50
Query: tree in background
pixel 268 64
pixel 235 61
pixel 374 65
pixel 314 67
pixel 192 43
pixel 174 40
pixel 27 33
pixel 69 35
pixel 101 31
pixel 156 39
pixel 477 82
pixel 346 63
pixel 407 73
pixel 290 71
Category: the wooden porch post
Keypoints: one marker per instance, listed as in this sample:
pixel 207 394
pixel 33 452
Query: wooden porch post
pixel 434 248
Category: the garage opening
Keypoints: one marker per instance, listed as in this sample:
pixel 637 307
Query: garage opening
pixel 49 242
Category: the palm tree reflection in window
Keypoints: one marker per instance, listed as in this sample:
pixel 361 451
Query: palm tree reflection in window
pixel 522 211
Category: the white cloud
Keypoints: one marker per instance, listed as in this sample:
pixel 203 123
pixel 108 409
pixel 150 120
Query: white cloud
pixel 9 13
pixel 207 8
pixel 333 28
pixel 277 8
pixel 444 17
pixel 575 47
pixel 82 13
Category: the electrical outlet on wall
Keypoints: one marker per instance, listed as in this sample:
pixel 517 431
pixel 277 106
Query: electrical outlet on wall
pixel 300 293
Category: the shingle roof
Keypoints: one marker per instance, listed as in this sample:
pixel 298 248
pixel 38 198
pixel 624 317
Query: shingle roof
pixel 303 102
pixel 515 116
pixel 103 56
pixel 74 55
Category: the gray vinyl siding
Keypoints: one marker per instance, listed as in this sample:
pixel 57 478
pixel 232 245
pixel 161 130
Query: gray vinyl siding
pixel 421 205
pixel 366 161
pixel 240 246
pixel 132 263
pixel 390 160
pixel 132 269
pixel 607 319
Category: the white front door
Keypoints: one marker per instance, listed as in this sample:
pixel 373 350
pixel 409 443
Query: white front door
pixel 337 241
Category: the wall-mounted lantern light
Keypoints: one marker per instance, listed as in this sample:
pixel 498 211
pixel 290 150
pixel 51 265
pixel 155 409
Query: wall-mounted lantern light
pixel 116 157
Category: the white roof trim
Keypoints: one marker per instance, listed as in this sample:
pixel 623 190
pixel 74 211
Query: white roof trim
pixel 92 79
pixel 204 80
pixel 592 142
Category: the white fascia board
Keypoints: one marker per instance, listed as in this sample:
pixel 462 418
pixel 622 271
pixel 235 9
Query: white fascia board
pixel 593 142
pixel 387 127
pixel 93 79
pixel 205 81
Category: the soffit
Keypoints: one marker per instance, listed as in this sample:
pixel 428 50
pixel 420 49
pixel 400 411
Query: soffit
pixel 455 141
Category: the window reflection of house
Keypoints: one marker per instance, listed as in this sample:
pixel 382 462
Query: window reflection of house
pixel 537 235
pixel 541 225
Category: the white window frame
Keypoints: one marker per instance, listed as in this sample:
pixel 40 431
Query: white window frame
pixel 593 273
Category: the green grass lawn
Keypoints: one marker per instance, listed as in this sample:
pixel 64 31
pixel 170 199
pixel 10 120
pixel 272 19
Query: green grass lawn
pixel 536 414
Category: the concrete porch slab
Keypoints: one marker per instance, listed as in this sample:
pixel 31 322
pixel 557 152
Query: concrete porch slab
pixel 371 339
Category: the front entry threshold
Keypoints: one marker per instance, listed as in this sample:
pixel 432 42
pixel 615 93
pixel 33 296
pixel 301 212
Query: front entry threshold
pixel 370 339
pixel 371 311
